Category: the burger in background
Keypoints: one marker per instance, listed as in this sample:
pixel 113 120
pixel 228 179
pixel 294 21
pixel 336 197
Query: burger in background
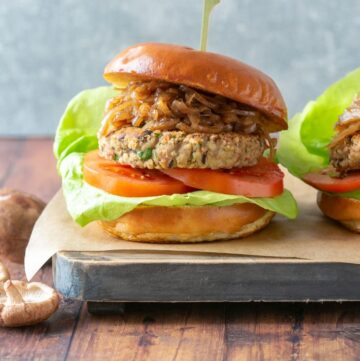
pixel 328 130
pixel 343 174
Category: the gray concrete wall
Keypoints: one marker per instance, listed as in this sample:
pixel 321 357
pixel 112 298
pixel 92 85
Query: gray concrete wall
pixel 50 50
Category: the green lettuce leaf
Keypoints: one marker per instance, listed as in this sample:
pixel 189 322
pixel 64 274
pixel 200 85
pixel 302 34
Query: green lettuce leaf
pixel 81 121
pixel 76 135
pixel 86 203
pixel 319 117
pixel 303 147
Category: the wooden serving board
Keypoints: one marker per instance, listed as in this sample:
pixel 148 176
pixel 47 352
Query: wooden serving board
pixel 129 276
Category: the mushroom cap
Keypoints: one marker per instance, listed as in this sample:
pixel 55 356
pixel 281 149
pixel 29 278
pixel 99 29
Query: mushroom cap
pixel 23 303
pixel 18 214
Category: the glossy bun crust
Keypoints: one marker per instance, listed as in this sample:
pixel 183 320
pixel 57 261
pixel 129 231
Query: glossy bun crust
pixel 207 71
pixel 188 224
pixel 344 210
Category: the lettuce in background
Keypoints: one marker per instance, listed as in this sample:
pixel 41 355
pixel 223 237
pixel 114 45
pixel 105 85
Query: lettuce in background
pixel 76 135
pixel 293 154
pixel 319 117
pixel 303 148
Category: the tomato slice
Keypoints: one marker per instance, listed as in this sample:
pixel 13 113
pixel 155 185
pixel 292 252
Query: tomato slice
pixel 326 183
pixel 262 180
pixel 125 181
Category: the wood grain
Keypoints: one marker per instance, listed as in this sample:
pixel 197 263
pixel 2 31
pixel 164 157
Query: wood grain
pixel 153 332
pixel 228 332
pixel 331 331
pixel 28 165
pixel 174 332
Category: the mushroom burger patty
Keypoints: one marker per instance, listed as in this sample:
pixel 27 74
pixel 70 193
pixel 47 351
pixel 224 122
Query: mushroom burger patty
pixel 176 149
pixel 346 155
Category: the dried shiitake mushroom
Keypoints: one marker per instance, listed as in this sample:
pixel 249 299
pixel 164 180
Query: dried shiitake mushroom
pixel 18 214
pixel 24 304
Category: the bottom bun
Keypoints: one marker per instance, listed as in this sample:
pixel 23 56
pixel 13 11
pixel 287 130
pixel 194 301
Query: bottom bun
pixel 188 224
pixel 344 210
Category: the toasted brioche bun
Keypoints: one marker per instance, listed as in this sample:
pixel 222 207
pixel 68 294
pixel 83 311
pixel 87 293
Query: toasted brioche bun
pixel 207 71
pixel 344 210
pixel 188 224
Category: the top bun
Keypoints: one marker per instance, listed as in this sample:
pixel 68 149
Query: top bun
pixel 206 71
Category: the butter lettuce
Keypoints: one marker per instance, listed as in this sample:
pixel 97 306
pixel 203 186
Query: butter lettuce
pixel 76 135
pixel 303 147
pixel 81 121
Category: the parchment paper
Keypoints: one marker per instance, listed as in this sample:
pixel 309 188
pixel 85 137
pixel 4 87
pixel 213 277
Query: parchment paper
pixel 311 236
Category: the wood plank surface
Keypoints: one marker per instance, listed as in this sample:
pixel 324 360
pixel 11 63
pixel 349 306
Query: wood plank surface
pixel 28 165
pixel 163 332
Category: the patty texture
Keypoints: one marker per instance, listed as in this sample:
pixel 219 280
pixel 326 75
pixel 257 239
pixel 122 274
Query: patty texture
pixel 176 149
pixel 346 155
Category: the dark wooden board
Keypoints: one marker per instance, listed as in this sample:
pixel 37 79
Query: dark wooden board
pixel 168 277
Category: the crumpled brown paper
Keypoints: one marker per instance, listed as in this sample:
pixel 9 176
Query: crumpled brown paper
pixel 311 236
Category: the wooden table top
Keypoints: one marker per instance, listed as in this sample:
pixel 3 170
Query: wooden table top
pixel 162 332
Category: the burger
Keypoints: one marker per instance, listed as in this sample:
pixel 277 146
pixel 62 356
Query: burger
pixel 178 149
pixel 343 174
pixel 330 133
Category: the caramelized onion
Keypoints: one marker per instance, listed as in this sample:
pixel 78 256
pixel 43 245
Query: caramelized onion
pixel 350 130
pixel 351 114
pixel 349 122
pixel 215 129
pixel 270 143
pixel 168 124
pixel 158 105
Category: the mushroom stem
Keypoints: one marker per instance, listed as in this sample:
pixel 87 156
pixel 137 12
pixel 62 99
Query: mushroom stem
pixel 12 293
pixel 4 273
